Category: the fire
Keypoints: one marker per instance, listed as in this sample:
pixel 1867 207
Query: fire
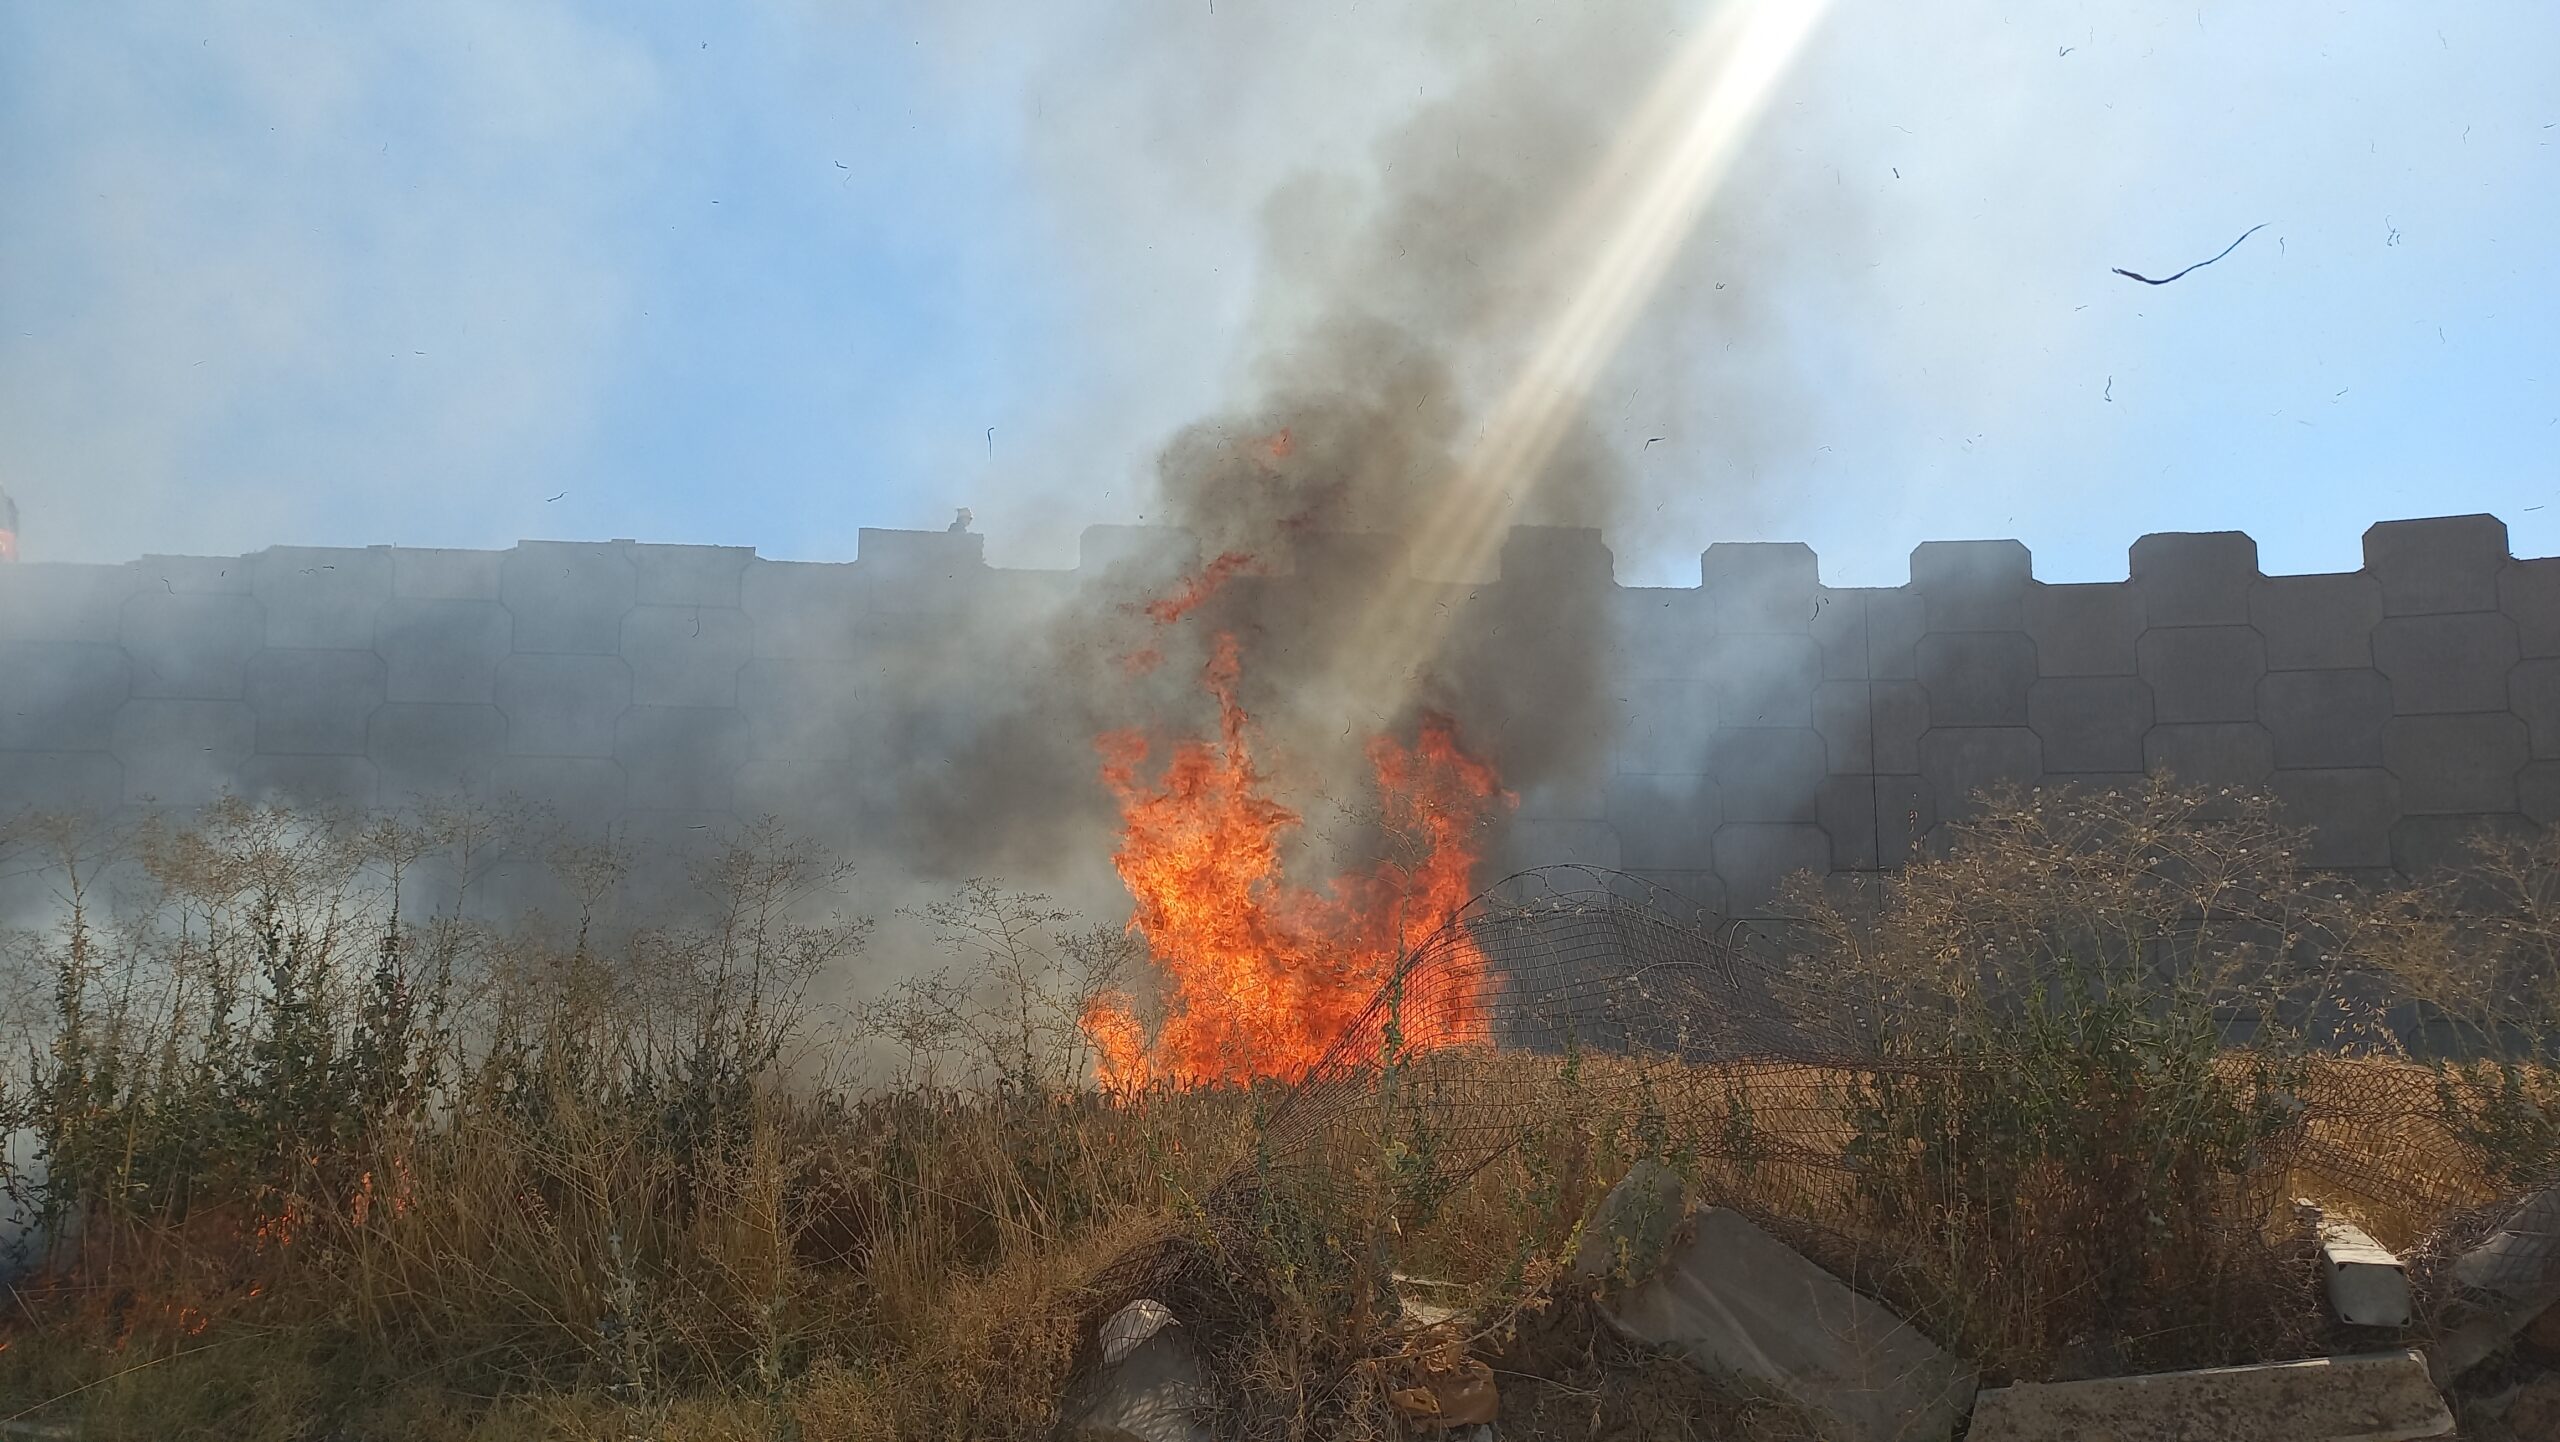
pixel 1262 975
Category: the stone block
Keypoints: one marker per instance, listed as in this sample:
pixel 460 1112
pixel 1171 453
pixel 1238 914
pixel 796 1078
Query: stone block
pixel 1763 680
pixel 1754 861
pixel 804 609
pixel 1766 773
pixel 1665 822
pixel 686 655
pixel 2195 578
pixel 1760 586
pixel 1666 726
pixel 2367 1285
pixel 2533 692
pixel 2538 792
pixel 320 598
pixel 433 750
pixel 1977 678
pixel 2203 673
pixel 60 696
pixel 586 793
pixel 1736 1302
pixel 2425 845
pixel 1628 1237
pixel 181 754
pixel 315 702
pixel 2529 592
pixel 2446 663
pixel 563 705
pixel 1959 762
pixel 1874 821
pixel 2317 622
pixel 443 651
pixel 76 783
pixel 568 596
pixel 680 758
pixel 2212 755
pixel 2349 810
pixel 2446 563
pixel 315 783
pixel 2453 764
pixel 431 574
pixel 2084 630
pixel 2325 718
pixel 192 646
pixel 51 602
pixel 1558 555
pixel 2381 1397
pixel 1972 585
pixel 689 575
pixel 2090 723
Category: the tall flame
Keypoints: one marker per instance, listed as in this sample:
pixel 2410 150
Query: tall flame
pixel 1260 975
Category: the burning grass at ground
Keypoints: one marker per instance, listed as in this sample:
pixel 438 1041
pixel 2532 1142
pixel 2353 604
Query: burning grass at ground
pixel 322 1167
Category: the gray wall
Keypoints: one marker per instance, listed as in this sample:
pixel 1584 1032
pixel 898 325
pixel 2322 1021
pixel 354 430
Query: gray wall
pixel 1762 721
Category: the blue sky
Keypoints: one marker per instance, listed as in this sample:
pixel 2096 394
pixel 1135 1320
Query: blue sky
pixel 762 274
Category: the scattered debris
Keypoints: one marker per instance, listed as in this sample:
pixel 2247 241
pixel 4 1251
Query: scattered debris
pixel 2379 1397
pixel 2199 265
pixel 1735 1300
pixel 1445 1388
pixel 1149 1388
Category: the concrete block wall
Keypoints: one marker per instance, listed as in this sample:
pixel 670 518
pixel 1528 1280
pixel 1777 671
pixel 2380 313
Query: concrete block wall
pixel 1761 721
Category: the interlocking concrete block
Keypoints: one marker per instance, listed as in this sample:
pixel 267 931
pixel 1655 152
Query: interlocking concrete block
pixel 1896 620
pixel 1659 632
pixel 1977 678
pixel 1839 627
pixel 2317 622
pixel 2533 692
pixel 1845 713
pixel 689 575
pixel 192 646
pixel 2212 754
pixel 2529 592
pixel 680 758
pixel 435 750
pixel 2446 563
pixel 1665 726
pixel 442 651
pixel 2350 812
pixel 320 598
pixel 812 710
pixel 181 754
pixel 2203 673
pixel 1972 585
pixel 1333 563
pixel 2084 630
pixel 1959 762
pixel 1766 773
pixel 2382 1397
pixel 826 800
pixel 2424 845
pixel 1754 861
pixel 1763 680
pixel 317 783
pixel 60 696
pixel 686 655
pixel 1558 555
pixel 40 602
pixel 1874 821
pixel 919 569
pixel 315 703
pixel 1687 895
pixel 1533 841
pixel 568 596
pixel 805 609
pixel 2195 578
pixel 1665 822
pixel 586 793
pixel 74 783
pixel 2452 764
pixel 431 574
pixel 563 705
pixel 193 575
pixel 2446 663
pixel 2538 792
pixel 1760 586
pixel 1140 556
pixel 2325 718
pixel 2090 723
pixel 1737 1302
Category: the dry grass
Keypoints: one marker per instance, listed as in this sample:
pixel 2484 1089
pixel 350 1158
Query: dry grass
pixel 337 1161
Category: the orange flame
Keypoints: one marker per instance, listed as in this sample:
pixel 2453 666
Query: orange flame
pixel 1262 976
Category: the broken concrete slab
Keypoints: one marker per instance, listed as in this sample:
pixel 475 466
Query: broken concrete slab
pixel 1737 1301
pixel 1628 1236
pixel 2368 1286
pixel 2379 1397
pixel 1150 1386
pixel 2506 1283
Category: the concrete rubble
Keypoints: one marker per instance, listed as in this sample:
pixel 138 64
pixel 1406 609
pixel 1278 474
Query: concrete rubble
pixel 1150 1386
pixel 2379 1397
pixel 1734 1300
